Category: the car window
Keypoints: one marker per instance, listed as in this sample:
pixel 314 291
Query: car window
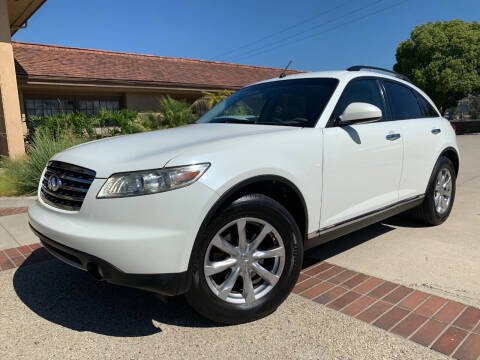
pixel 290 106
pixel 298 102
pixel 428 109
pixel 403 102
pixel 364 90
pixel 247 106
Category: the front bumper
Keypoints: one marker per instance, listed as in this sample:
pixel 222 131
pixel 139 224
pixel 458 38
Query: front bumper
pixel 165 284
pixel 151 234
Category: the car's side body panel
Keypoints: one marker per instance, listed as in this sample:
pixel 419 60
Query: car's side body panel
pixel 363 168
pixel 332 232
pixel 295 154
pixel 422 147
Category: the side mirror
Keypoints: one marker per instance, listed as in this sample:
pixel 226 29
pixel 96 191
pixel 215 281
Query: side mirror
pixel 358 112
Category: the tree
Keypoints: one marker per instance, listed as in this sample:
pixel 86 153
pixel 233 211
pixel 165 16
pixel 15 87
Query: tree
pixel 443 59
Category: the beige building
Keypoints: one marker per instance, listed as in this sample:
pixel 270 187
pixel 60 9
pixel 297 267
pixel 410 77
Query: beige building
pixel 13 16
pixel 42 80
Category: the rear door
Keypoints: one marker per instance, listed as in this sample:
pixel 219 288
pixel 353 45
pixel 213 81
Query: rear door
pixel 362 162
pixel 420 125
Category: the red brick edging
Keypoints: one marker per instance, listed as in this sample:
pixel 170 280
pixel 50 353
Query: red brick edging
pixel 13 210
pixel 23 255
pixel 446 326
pixel 443 325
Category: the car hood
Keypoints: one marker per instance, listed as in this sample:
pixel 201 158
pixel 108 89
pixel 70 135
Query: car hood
pixel 154 149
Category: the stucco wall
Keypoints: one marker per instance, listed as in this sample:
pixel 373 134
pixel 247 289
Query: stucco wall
pixel 146 102
pixel 141 102
pixel 11 134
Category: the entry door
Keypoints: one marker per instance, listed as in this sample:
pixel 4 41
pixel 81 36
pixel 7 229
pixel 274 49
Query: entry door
pixel 362 162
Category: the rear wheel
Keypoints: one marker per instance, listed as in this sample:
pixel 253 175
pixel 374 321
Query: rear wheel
pixel 247 262
pixel 440 194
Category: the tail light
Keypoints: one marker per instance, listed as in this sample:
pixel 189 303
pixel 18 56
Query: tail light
pixel 453 127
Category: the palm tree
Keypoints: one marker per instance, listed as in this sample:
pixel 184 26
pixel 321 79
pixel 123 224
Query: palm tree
pixel 208 101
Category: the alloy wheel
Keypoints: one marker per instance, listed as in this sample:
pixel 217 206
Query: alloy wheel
pixel 244 260
pixel 443 191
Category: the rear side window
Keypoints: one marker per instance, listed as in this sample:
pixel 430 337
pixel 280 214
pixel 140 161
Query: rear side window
pixel 403 102
pixel 364 90
pixel 427 108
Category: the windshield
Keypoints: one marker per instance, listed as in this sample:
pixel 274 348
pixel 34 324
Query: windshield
pixel 298 102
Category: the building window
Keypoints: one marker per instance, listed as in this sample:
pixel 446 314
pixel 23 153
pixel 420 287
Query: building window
pixel 91 107
pixel 47 107
pixel 42 106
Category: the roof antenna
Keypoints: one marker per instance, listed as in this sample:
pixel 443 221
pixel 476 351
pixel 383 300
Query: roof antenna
pixel 284 72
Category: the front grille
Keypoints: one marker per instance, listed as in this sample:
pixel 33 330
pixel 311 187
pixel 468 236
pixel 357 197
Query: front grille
pixel 73 188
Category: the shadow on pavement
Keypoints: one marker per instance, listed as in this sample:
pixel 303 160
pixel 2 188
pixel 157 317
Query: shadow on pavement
pixel 344 243
pixel 347 242
pixel 404 220
pixel 72 298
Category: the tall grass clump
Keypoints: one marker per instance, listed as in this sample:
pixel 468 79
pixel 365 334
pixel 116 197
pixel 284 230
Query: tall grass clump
pixel 25 172
pixel 7 185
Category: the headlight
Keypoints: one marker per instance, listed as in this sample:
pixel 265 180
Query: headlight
pixel 151 181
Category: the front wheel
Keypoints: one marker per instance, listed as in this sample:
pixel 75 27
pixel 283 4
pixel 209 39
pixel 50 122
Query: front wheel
pixel 247 261
pixel 440 194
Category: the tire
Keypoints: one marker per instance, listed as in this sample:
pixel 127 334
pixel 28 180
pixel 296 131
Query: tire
pixel 428 212
pixel 209 294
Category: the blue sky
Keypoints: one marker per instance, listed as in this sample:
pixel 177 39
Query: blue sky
pixel 315 34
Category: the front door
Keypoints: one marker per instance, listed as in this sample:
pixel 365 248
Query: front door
pixel 362 162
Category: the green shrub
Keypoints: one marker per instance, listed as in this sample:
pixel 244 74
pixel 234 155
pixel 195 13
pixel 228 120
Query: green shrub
pixel 25 173
pixel 102 124
pixel 174 113
pixel 118 122
pixel 7 184
pixel 128 121
pixel 150 120
pixel 79 125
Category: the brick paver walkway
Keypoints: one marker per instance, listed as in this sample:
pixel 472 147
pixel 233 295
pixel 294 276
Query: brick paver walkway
pixel 443 325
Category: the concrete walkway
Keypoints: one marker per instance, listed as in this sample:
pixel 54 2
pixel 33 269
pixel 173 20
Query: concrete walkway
pixel 14 229
pixel 15 232
pixel 16 201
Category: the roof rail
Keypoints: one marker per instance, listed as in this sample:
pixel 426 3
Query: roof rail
pixel 366 67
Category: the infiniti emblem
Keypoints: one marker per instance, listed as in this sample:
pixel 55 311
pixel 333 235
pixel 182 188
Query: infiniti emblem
pixel 54 183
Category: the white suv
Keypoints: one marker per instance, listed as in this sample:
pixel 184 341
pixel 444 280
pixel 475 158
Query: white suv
pixel 222 210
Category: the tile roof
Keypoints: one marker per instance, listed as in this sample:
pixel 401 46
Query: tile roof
pixel 58 62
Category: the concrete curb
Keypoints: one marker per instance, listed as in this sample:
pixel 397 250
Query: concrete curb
pixel 16 201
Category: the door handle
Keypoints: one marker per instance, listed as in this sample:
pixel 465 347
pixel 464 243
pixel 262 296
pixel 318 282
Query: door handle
pixel 436 131
pixel 393 137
